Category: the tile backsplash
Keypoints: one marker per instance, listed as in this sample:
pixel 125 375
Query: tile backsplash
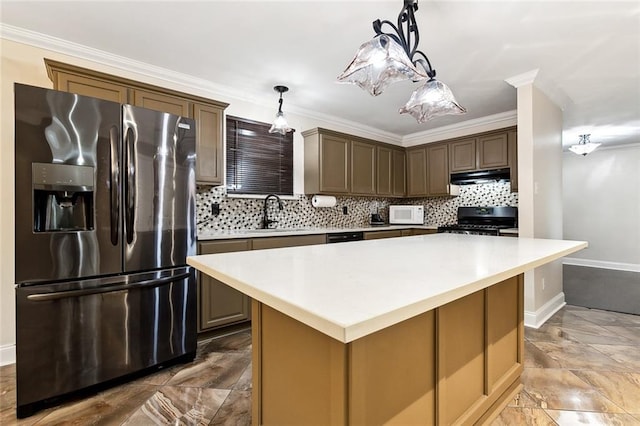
pixel 246 213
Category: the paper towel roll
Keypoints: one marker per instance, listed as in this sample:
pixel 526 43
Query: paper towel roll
pixel 323 201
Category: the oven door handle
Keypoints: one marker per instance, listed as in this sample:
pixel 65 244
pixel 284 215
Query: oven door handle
pixel 41 297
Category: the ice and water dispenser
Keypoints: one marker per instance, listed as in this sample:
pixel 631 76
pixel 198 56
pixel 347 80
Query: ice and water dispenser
pixel 62 197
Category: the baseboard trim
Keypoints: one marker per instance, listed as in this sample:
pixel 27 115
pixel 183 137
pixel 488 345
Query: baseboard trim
pixel 603 264
pixel 538 318
pixel 7 354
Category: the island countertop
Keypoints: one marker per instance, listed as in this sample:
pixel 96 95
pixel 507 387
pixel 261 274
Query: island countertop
pixel 353 289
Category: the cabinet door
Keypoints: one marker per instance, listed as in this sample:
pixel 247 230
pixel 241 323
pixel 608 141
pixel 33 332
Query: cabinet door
pixel 493 151
pixel 417 172
pixel 376 235
pixel 94 87
pixel 209 169
pixel 462 156
pixel 220 304
pixel 512 136
pixel 399 173
pixel 161 102
pixel 384 170
pixel 288 241
pixel 438 170
pixel 363 168
pixel 334 164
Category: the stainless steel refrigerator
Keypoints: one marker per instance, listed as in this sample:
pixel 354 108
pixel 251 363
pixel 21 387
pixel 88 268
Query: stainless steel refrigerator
pixel 105 218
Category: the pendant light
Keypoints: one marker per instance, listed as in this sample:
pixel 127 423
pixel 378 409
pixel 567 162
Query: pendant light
pixel 393 56
pixel 584 146
pixel 280 122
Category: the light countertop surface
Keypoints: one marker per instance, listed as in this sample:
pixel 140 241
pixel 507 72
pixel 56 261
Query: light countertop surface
pixel 353 289
pixel 257 233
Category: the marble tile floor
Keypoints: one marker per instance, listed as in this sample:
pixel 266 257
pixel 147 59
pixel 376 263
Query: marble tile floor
pixel 581 367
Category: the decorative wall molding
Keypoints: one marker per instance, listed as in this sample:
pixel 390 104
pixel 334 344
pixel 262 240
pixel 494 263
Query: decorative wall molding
pixel 538 318
pixel 469 127
pixel 603 264
pixel 7 354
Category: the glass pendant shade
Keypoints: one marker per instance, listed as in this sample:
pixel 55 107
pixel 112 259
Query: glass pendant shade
pixel 584 147
pixel 433 99
pixel 378 63
pixel 280 124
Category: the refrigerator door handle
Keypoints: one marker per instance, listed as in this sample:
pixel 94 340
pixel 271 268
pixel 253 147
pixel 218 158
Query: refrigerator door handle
pixel 42 297
pixel 115 185
pixel 130 140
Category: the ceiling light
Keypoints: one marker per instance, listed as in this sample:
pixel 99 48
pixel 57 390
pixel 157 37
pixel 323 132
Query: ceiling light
pixel 584 146
pixel 392 57
pixel 280 122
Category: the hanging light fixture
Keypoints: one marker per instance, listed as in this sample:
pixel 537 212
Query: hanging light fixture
pixel 392 57
pixel 280 122
pixel 584 146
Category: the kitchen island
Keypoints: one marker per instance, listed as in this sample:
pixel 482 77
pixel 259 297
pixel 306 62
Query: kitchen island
pixel 413 330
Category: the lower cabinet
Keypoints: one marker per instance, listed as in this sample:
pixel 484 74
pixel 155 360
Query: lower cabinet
pixel 391 233
pixel 219 304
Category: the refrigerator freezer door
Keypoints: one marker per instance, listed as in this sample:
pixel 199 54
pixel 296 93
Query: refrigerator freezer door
pixel 78 334
pixel 66 177
pixel 159 189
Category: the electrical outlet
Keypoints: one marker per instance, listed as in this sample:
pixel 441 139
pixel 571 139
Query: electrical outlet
pixel 215 209
pixel 344 210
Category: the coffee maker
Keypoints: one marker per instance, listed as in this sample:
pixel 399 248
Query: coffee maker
pixel 62 197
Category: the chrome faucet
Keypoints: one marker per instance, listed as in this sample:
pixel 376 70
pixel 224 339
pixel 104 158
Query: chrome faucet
pixel 265 218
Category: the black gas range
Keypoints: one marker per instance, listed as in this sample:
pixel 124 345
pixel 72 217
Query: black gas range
pixel 482 220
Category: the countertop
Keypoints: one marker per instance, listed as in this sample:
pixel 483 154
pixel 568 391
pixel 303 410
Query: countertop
pixel 257 233
pixel 353 289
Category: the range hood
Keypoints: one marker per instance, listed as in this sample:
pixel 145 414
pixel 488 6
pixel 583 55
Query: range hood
pixel 480 176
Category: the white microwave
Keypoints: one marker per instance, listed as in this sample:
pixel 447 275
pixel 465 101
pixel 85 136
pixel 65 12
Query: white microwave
pixel 406 215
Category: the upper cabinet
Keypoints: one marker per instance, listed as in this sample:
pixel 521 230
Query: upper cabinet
pixel 493 151
pixel 399 172
pixel 363 168
pixel 462 155
pixel 483 152
pixel 341 164
pixel 208 114
pixel 512 136
pixel 417 172
pixel 437 170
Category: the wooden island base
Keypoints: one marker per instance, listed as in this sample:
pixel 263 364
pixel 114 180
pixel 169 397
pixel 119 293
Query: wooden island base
pixel 457 364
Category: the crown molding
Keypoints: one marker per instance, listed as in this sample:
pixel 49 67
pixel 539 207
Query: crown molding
pixel 522 79
pixel 469 127
pixel 179 81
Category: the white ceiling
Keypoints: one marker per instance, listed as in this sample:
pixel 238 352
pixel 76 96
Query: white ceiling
pixel 587 53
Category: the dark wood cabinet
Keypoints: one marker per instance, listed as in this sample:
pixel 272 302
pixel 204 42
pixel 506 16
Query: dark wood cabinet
pixel 209 165
pixel 218 304
pixel 363 168
pixel 161 102
pixel 376 235
pixel 462 155
pixel 512 136
pixel 399 173
pixel 209 114
pixel 288 241
pixel 384 171
pixel 437 170
pixel 340 164
pixel 492 151
pixel 417 172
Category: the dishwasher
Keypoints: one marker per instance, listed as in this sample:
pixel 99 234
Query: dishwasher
pixel 342 237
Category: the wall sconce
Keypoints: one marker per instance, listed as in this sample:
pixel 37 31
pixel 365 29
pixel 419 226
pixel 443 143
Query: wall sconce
pixel 280 124
pixel 392 57
pixel 584 146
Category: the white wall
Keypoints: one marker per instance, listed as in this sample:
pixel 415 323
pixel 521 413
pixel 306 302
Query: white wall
pixel 540 194
pixel 602 203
